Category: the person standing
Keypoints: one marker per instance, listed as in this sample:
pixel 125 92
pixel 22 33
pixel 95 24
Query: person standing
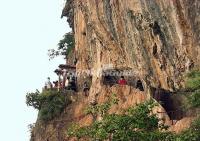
pixel 55 84
pixel 67 83
pixel 122 81
pixel 48 84
pixel 86 89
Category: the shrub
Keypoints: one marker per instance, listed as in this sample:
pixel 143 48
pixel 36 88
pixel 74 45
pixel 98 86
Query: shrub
pixel 65 46
pixel 137 123
pixel 193 85
pixel 103 108
pixel 34 99
pixel 193 80
pixel 194 99
pixel 50 103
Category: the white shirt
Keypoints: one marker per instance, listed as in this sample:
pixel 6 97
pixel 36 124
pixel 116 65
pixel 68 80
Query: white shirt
pixel 66 82
pixel 48 84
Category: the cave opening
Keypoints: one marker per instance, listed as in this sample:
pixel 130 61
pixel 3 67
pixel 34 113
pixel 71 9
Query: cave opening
pixel 156 28
pixel 171 104
pixel 112 76
pixel 155 51
pixel 110 80
pixel 84 33
pixel 139 85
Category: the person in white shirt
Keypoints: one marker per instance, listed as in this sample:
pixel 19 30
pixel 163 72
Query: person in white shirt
pixel 48 84
pixel 67 82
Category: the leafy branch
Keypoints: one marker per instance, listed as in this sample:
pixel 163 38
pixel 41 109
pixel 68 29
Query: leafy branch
pixel 65 46
pixel 137 123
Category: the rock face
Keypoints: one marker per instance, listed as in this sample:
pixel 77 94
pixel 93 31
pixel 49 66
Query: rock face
pixel 158 40
pixel 128 96
pixel 55 130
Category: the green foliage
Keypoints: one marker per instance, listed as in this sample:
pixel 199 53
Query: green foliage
pixel 193 85
pixel 191 134
pixel 65 46
pixel 50 103
pixel 34 99
pixel 193 80
pixel 137 123
pixel 194 98
pixel 103 108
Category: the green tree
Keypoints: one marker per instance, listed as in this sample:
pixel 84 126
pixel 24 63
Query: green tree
pixel 193 80
pixel 193 86
pixel 34 100
pixel 65 46
pixel 50 103
pixel 136 124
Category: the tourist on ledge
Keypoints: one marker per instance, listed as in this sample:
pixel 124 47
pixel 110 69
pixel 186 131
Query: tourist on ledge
pixel 122 81
pixel 86 89
pixel 48 84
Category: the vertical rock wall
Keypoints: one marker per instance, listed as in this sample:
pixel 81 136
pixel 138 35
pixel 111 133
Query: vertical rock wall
pixel 158 39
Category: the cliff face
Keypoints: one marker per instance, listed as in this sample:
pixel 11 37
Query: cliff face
pixel 158 40
pixel 55 130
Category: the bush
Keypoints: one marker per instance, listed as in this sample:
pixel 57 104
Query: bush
pixel 50 103
pixel 65 46
pixel 193 80
pixel 193 85
pixel 34 99
pixel 194 99
pixel 137 123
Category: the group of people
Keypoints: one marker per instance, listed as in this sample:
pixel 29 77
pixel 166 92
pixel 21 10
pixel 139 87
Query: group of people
pixel 69 83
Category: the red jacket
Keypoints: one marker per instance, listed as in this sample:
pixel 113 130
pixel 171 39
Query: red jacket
pixel 122 82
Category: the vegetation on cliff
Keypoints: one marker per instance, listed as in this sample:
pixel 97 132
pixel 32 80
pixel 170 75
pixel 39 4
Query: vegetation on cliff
pixel 193 86
pixel 138 123
pixel 50 103
pixel 65 46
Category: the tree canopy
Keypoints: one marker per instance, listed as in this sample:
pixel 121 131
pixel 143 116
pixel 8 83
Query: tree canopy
pixel 65 46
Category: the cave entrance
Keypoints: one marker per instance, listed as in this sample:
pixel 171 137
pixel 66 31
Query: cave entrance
pixel 169 102
pixel 139 85
pixel 111 76
pixel 156 28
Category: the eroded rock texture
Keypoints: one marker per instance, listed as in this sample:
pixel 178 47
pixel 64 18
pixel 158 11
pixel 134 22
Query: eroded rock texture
pixel 159 40
pixel 55 130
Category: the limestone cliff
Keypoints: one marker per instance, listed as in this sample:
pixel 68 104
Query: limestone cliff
pixel 158 40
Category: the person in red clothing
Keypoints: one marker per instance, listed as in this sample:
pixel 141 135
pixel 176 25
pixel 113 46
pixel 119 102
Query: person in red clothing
pixel 122 81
